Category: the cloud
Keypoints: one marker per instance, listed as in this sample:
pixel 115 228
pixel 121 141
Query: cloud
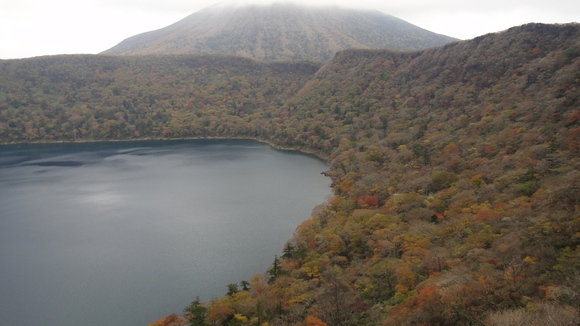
pixel 39 27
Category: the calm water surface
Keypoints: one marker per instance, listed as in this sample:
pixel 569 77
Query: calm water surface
pixel 126 233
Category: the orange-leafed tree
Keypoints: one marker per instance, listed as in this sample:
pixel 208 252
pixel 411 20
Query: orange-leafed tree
pixel 219 315
pixel 171 320
pixel 312 321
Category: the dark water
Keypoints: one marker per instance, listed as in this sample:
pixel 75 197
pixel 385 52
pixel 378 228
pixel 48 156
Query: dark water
pixel 126 233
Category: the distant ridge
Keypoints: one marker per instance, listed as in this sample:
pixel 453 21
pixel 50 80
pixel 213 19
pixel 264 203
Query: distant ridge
pixel 280 32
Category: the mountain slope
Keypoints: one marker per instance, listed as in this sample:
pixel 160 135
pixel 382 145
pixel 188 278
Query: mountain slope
pixel 455 169
pixel 280 32
pixel 76 97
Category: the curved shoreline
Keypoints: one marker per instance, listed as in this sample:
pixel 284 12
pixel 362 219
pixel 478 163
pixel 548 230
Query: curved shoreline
pixel 269 143
pixel 112 177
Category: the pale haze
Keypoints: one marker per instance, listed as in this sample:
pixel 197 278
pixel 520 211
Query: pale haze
pixel 31 28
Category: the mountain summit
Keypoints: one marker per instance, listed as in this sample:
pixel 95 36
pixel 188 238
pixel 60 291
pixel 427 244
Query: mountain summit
pixel 280 32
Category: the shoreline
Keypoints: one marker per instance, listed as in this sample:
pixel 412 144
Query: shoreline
pixel 269 143
pixel 228 151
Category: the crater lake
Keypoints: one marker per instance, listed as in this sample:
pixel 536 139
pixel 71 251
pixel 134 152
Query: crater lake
pixel 124 233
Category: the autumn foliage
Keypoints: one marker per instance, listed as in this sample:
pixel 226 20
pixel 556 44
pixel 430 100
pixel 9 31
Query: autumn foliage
pixel 455 169
pixel 171 320
pixel 312 321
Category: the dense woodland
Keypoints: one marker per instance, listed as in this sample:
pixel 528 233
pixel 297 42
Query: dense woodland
pixel 455 170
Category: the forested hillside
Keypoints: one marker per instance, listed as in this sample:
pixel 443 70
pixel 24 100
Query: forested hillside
pixel 455 170
pixel 80 97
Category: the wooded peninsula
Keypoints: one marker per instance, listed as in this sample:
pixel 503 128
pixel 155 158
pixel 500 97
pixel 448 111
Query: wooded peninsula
pixel 455 169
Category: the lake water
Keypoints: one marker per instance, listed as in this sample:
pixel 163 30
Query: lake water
pixel 126 233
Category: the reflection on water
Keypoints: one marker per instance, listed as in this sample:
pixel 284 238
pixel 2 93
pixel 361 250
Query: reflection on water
pixel 100 195
pixel 125 233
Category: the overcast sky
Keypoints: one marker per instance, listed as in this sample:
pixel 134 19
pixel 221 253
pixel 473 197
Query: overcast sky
pixel 31 28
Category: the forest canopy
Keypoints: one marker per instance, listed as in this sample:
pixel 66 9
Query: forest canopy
pixel 455 169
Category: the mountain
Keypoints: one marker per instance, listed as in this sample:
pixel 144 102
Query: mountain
pixel 280 32
pixel 455 169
